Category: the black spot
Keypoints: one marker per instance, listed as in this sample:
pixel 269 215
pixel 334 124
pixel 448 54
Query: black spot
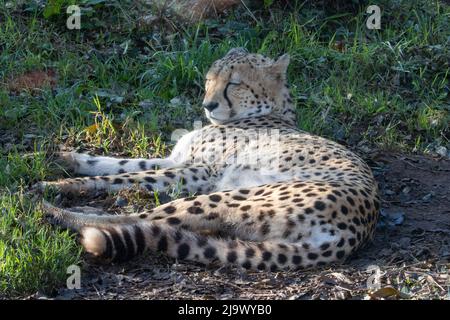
pixel 341 243
pixel 282 258
pixel 139 238
pixel 327 253
pixel 195 210
pixel 325 246
pixel 331 197
pixel 169 174
pixel 169 209
pixel 120 171
pixel 117 181
pixel 173 221
pixel 340 254
pixel 239 198
pixel 156 230
pixel 183 251
pixel 257 193
pixel 309 210
pixel 212 216
pixel 266 255
pixel 312 256
pixel 142 165
pixel 210 252
pixel 231 256
pixel 344 210
pixel 319 205
pixel 352 241
pixel 91 162
pixel 249 253
pixel 296 260
pixel 265 228
pixel 162 244
pixel 362 210
pixel 215 198
pixel 261 266
pixel 201 242
pixel 149 179
pixel 247 264
pixel 143 215
pixel 178 236
pixel 342 225
pixel 122 162
pixel 350 200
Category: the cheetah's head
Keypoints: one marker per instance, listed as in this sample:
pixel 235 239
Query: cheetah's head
pixel 243 85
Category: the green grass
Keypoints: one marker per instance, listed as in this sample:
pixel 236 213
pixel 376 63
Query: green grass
pixel 123 88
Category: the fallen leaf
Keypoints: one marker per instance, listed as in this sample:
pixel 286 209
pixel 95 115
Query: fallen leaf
pixel 385 292
pixel 92 129
pixel 32 81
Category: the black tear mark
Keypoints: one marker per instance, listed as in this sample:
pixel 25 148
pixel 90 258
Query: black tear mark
pixel 225 95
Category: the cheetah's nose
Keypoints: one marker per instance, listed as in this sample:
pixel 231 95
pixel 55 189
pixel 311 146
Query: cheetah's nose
pixel 210 106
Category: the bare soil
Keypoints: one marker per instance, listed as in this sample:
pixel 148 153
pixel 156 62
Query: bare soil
pixel 411 249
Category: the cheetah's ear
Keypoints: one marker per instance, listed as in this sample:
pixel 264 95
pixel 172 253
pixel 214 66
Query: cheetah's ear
pixel 281 64
pixel 237 52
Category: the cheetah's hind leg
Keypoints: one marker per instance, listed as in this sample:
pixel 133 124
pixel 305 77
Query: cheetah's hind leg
pixel 77 218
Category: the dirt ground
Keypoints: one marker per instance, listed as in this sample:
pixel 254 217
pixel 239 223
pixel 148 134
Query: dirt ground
pixel 411 250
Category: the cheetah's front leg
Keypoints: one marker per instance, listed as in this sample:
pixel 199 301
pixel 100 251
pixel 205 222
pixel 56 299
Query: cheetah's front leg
pixel 84 164
pixel 191 179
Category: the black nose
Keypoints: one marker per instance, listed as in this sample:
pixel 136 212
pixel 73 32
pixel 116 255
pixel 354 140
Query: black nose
pixel 210 106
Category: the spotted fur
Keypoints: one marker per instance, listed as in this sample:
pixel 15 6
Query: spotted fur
pixel 303 201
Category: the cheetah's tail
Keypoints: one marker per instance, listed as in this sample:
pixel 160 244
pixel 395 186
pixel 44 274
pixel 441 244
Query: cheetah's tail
pixel 120 238
pixel 122 242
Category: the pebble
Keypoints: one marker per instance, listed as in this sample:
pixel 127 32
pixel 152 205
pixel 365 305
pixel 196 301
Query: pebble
pixel 442 151
pixel 121 202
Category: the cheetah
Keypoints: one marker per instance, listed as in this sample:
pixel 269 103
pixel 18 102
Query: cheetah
pixel 259 193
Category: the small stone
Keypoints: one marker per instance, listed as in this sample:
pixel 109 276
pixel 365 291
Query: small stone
pixel 427 197
pixel 146 104
pixel 442 151
pixel 175 101
pixel 121 202
pixel 406 190
pixel 148 20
